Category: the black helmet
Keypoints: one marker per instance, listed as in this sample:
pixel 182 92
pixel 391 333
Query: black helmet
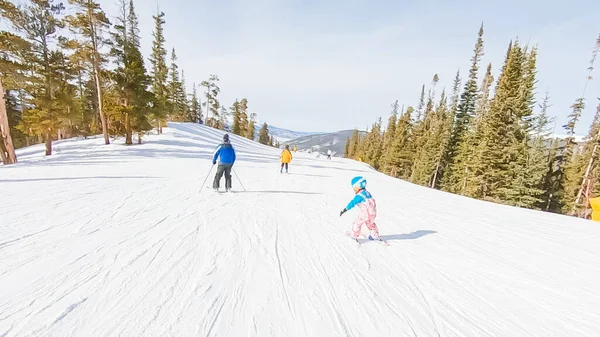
pixel 226 138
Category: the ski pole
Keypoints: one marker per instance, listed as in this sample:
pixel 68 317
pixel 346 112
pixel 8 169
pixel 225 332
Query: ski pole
pixel 238 178
pixel 205 179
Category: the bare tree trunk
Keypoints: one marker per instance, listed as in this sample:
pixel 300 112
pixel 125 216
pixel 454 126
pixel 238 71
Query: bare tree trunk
pixel 128 132
pixel 3 153
pixel 8 147
pixel 96 70
pixel 139 138
pixel 437 169
pixel 49 142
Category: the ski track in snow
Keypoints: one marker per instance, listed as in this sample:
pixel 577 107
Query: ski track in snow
pixel 120 241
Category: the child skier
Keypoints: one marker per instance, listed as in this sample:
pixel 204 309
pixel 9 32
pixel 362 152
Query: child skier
pixel 368 209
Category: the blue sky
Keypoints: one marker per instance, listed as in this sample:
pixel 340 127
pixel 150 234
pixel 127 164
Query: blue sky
pixel 332 65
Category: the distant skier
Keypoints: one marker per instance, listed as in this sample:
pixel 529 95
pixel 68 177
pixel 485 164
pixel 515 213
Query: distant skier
pixel 368 209
pixel 286 158
pixel 226 155
pixel 329 154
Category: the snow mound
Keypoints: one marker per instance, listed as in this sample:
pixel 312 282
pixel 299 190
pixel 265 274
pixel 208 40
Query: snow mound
pixel 120 240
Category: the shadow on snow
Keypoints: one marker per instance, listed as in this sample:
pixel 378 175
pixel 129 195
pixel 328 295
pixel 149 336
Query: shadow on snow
pixel 409 236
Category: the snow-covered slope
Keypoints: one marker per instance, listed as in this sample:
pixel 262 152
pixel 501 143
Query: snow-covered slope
pixel 120 241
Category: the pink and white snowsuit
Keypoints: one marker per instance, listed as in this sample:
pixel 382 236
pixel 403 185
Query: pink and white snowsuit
pixel 368 211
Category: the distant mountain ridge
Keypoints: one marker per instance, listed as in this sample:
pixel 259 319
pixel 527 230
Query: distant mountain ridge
pixel 334 141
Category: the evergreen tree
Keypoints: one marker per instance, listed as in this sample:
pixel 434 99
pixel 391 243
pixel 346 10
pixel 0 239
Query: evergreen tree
pixel 251 131
pixel 575 179
pixel 90 22
pixel 420 107
pixel 469 159
pixel 14 74
pixel 347 148
pixel 130 75
pixel 353 144
pixel 263 134
pixel 159 72
pixel 195 109
pixel 372 145
pixel 428 155
pixel 464 113
pixel 177 100
pixel 540 163
pixel 402 149
pixel 212 103
pixel 421 136
pixel 389 138
pixel 243 113
pixel 235 112
pixel 39 23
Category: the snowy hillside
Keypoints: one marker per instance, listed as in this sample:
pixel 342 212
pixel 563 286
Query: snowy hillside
pixel 120 241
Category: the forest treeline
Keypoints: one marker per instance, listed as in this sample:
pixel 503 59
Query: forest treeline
pixel 491 145
pixel 79 74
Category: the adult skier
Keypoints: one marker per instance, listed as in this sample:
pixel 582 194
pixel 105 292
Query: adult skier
pixel 329 154
pixel 286 158
pixel 225 153
pixel 368 209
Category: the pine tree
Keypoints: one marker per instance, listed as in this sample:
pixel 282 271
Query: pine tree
pixel 39 23
pixel 14 75
pixel 441 139
pixel 528 168
pixel 90 22
pixel 130 75
pixel 195 109
pixel 353 144
pixel 540 163
pixel 469 159
pixel 159 72
pixel 177 102
pixel 402 148
pixel 263 134
pixel 420 107
pixel 464 113
pixel 421 137
pixel 251 131
pixel 347 148
pixel 243 112
pixel 212 103
pixel 389 138
pixel 372 145
pixel 576 178
pixel 235 111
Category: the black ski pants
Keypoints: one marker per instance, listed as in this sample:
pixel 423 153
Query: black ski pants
pixel 223 168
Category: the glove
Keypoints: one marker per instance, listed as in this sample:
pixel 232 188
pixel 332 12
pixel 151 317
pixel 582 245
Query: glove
pixel 214 162
pixel 343 211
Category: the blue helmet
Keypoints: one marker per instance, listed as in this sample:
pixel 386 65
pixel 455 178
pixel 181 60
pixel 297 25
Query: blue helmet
pixel 359 182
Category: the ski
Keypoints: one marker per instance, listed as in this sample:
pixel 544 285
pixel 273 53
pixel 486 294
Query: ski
pixel 380 241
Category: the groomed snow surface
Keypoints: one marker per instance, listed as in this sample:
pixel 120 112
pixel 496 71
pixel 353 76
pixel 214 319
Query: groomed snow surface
pixel 119 240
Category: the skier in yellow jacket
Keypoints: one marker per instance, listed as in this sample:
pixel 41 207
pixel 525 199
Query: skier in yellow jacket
pixel 286 158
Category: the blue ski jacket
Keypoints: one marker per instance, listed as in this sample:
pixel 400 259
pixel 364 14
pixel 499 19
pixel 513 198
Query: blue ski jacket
pixel 225 153
pixel 360 197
